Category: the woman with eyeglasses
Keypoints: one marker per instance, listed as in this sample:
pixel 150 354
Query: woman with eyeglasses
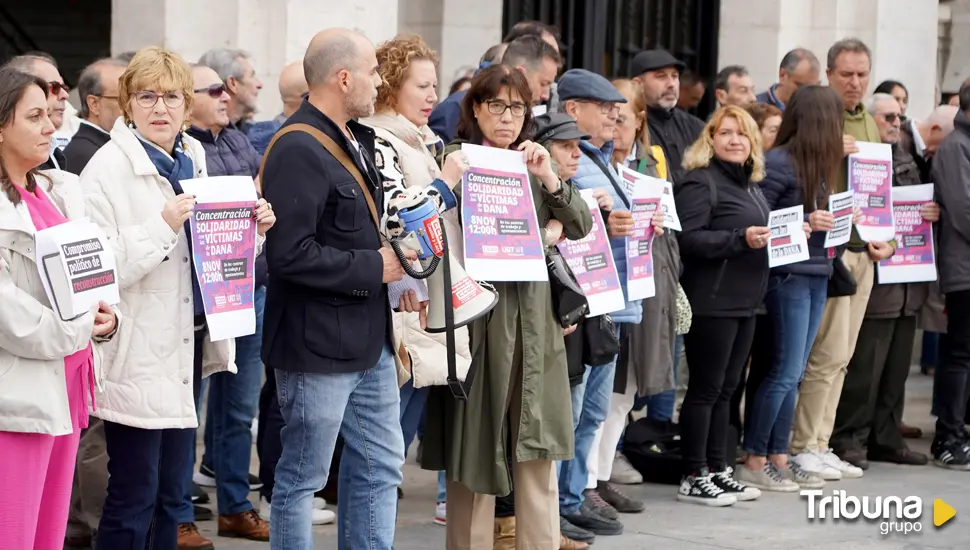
pixel 518 405
pixel 155 365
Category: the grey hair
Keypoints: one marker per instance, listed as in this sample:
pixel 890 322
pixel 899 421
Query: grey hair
pixel 792 59
pixel 89 83
pixel 323 61
pixel 873 103
pixel 225 62
pixel 25 63
pixel 853 45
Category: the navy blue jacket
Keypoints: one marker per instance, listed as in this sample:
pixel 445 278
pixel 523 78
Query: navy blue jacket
pixel 444 118
pixel 327 309
pixel 231 154
pixel 781 190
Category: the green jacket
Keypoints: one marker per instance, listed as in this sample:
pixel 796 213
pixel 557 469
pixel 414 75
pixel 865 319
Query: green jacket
pixel 521 337
pixel 860 125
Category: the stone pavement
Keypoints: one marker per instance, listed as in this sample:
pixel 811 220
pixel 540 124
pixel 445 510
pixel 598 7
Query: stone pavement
pixel 773 521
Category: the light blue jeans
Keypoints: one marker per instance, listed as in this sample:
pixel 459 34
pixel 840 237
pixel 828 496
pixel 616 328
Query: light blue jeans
pixel 316 408
pixel 591 403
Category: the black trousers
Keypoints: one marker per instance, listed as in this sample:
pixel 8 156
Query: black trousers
pixel 717 350
pixel 146 480
pixel 871 405
pixel 953 371
pixel 751 379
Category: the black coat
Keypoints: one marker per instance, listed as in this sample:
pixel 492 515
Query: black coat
pixel 85 143
pixel 674 131
pixel 951 174
pixel 723 277
pixel 326 307
pixel 782 190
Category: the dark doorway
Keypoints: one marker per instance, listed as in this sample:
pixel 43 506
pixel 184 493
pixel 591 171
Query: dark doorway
pixel 75 32
pixel 604 35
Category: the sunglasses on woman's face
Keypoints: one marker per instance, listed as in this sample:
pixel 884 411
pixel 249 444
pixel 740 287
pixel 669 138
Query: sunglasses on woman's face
pixel 215 91
pixel 56 87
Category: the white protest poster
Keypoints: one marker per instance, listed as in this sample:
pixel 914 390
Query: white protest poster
pixel 871 177
pixel 631 179
pixel 640 283
pixel 841 206
pixel 787 244
pixel 76 266
pixel 501 231
pixel 591 261
pixel 915 257
pixel 224 252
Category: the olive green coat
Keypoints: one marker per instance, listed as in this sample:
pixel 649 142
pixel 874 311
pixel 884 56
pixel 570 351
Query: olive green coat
pixel 468 439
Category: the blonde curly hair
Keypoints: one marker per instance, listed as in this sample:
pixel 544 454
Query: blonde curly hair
pixel 701 152
pixel 394 58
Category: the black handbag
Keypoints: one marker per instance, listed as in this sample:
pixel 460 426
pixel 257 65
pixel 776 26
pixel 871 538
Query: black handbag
pixel 568 299
pixel 600 342
pixel 841 283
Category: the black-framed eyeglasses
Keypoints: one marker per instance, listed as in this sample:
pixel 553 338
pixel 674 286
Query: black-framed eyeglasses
pixel 498 107
pixel 56 87
pixel 148 99
pixel 606 107
pixel 215 91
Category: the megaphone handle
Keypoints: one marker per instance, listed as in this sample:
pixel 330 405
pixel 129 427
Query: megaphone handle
pixel 457 388
pixel 408 268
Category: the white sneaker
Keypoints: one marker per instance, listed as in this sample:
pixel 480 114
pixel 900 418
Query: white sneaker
pixel 623 472
pixel 848 470
pixel 804 480
pixel 254 429
pixel 319 503
pixel 317 517
pixel 811 462
pixel 440 513
pixel 768 478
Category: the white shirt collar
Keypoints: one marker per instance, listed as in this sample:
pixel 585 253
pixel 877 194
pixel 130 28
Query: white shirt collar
pixel 95 126
pixel 918 142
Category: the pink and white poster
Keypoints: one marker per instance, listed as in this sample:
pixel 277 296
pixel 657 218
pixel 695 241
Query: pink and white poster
pixel 591 261
pixel 224 252
pixel 639 246
pixel 915 257
pixel 501 232
pixel 871 178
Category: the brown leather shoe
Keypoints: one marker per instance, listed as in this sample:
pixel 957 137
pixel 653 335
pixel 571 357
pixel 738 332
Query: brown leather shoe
pixel 245 525
pixel 910 432
pixel 570 544
pixel 190 539
pixel 504 534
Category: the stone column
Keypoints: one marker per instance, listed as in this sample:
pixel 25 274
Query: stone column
pixel 902 35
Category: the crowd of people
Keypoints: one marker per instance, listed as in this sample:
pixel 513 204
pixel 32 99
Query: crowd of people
pixel 98 414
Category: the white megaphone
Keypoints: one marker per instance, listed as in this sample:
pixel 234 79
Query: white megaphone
pixel 425 235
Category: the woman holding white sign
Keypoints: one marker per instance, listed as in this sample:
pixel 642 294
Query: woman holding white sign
pixel 155 365
pixel 724 217
pixel 516 405
pixel 47 364
pixel 805 159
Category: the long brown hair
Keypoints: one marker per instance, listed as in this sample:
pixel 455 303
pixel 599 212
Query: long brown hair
pixel 13 85
pixel 488 85
pixel 811 133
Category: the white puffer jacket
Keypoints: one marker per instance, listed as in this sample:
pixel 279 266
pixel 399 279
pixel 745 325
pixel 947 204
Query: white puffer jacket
pixel 148 365
pixel 33 339
pixel 404 161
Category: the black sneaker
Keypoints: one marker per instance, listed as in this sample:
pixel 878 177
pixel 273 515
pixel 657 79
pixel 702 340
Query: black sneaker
pixel 206 477
pixel 587 518
pixel 699 488
pixel 953 454
pixel 572 532
pixel 199 496
pixel 599 505
pixel 620 502
pixel 201 514
pixel 725 481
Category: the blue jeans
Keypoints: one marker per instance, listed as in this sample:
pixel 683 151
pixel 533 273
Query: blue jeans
pixel 233 401
pixel 442 484
pixel 412 410
pixel 316 408
pixel 795 304
pixel 595 391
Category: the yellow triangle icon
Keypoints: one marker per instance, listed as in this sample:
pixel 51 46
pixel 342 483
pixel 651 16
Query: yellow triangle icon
pixel 942 512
